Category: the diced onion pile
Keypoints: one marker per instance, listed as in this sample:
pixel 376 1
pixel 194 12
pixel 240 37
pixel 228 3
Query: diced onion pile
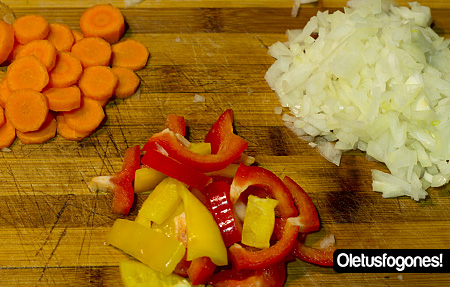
pixel 375 77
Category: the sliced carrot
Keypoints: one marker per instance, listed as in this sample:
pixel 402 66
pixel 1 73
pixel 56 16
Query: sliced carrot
pixel 4 92
pixel 103 20
pixel 98 82
pixel 64 130
pixel 66 72
pixel 92 52
pixel 16 49
pixel 29 28
pixel 7 135
pixel 63 99
pixel 2 117
pixel 6 40
pixel 27 73
pixel 43 134
pixel 26 110
pixel 128 82
pixel 61 36
pixel 129 54
pixel 41 49
pixel 77 35
pixel 87 117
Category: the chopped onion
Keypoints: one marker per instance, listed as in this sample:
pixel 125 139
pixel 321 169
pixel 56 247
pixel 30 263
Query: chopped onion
pixel 374 77
pixel 199 99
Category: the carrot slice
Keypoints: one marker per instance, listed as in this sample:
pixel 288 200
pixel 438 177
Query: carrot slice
pixel 128 82
pixel 41 49
pixel 77 35
pixel 30 27
pixel 92 52
pixel 26 110
pixel 87 117
pixel 63 99
pixel 66 72
pixel 129 54
pixel 27 73
pixel 98 82
pixel 64 130
pixel 103 20
pixel 2 117
pixel 43 134
pixel 6 40
pixel 4 92
pixel 61 36
pixel 15 50
pixel 7 135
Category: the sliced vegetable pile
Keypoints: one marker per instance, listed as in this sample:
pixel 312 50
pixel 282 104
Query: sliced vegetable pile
pixel 374 77
pixel 211 216
pixel 59 80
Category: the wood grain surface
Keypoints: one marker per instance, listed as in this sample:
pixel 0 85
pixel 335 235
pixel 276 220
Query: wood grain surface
pixel 52 228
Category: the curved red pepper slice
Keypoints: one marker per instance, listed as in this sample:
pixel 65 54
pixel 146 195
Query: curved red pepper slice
pixel 272 276
pixel 123 191
pixel 230 149
pixel 254 260
pixel 220 130
pixel 176 124
pixel 223 212
pixel 308 216
pixel 201 270
pixel 257 176
pixel 174 169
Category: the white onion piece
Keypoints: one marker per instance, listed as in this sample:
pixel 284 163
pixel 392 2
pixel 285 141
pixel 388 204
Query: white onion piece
pixel 374 77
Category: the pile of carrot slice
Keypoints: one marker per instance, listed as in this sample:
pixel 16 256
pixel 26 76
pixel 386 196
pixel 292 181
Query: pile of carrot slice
pixel 59 80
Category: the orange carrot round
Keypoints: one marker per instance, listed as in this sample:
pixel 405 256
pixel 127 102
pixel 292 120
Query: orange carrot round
pixel 6 40
pixel 92 52
pixel 77 35
pixel 43 134
pixel 61 36
pixel 7 135
pixel 2 117
pixel 26 110
pixel 63 99
pixel 27 73
pixel 87 117
pixel 30 27
pixel 98 82
pixel 41 49
pixel 128 82
pixel 67 70
pixel 103 20
pixel 129 54
pixel 64 130
pixel 15 50
pixel 4 92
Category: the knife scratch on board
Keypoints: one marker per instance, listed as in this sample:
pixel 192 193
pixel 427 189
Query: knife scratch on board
pixel 63 233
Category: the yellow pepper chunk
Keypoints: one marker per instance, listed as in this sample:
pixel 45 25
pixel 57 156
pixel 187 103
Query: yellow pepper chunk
pixel 149 246
pixel 259 222
pixel 161 203
pixel 200 148
pixel 203 234
pixel 146 179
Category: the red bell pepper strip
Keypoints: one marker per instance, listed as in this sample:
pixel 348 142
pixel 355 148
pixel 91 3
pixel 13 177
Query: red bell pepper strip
pixel 176 124
pixel 175 169
pixel 223 212
pixel 257 176
pixel 222 128
pixel 308 216
pixel 201 270
pixel 182 267
pixel 123 191
pixel 230 149
pixel 272 276
pixel 255 260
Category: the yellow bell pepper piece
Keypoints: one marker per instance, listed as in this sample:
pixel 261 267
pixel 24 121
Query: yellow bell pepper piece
pixel 137 274
pixel 169 226
pixel 146 179
pixel 203 234
pixel 149 246
pixel 161 203
pixel 200 148
pixel 259 222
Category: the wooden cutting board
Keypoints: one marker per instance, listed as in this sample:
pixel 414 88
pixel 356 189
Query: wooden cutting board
pixel 52 228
